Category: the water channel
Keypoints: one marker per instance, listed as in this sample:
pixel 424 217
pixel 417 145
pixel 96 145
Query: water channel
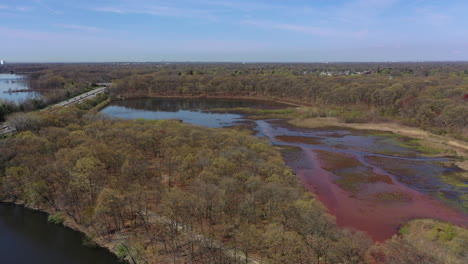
pixel 370 181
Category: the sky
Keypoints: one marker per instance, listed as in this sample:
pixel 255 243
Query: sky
pixel 230 30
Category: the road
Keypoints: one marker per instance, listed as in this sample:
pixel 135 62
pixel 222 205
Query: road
pixel 79 98
pixel 4 129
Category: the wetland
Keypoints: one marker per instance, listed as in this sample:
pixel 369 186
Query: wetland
pixel 370 181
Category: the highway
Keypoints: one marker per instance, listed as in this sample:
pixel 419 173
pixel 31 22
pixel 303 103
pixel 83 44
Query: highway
pixel 78 99
pixel 4 129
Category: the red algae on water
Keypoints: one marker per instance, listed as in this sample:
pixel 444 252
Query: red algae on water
pixel 378 209
pixel 339 166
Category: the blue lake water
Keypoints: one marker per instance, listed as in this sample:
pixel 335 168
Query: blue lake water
pixel 27 237
pixel 11 82
pixel 379 153
pixel 193 111
pixel 188 116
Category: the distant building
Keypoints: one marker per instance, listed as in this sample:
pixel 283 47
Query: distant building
pixel 1 62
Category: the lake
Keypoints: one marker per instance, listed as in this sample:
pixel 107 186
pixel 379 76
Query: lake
pixel 193 111
pixel 370 181
pixel 26 237
pixel 11 82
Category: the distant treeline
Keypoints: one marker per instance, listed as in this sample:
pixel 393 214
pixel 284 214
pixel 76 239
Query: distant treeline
pixel 438 102
pixel 433 96
pixel 103 71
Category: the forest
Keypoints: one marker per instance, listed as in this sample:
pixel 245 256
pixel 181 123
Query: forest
pixel 168 192
pixel 432 96
pixel 436 103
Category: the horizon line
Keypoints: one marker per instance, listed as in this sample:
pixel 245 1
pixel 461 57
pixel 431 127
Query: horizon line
pixel 6 62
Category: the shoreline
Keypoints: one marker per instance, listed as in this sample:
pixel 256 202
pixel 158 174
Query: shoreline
pixel 69 223
pixel 320 122
pixel 443 142
pixel 228 97
pixel 427 138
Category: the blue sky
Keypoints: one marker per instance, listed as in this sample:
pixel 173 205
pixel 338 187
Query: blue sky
pixel 229 30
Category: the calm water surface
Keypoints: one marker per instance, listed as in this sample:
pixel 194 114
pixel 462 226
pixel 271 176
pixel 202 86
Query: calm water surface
pixel 369 181
pixel 26 237
pixel 391 183
pixel 9 82
pixel 193 111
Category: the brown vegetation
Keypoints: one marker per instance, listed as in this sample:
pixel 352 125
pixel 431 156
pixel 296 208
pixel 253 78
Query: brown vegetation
pixel 424 241
pixel 431 96
pixel 162 191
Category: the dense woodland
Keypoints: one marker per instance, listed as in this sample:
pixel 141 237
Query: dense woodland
pixel 163 191
pixel 433 96
pixel 438 103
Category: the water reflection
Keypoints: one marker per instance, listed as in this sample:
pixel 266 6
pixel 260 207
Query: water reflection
pixel 26 237
pixel 193 111
pixel 369 181
pixel 13 82
pixel 177 104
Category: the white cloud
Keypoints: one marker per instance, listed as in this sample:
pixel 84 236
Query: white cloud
pixel 247 5
pixel 77 27
pixel 17 8
pixel 430 16
pixel 110 10
pixel 24 8
pixel 361 11
pixel 42 5
pixel 160 10
pixel 311 30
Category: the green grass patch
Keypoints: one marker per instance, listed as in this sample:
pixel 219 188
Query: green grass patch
pixel 299 139
pixel 289 149
pixel 404 230
pixel 89 241
pixel 445 241
pixel 91 103
pixel 458 179
pixel 461 204
pixel 56 218
pixel 443 232
pixel 349 172
pixel 333 161
pixel 392 197
pixel 418 145
pixel 354 180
